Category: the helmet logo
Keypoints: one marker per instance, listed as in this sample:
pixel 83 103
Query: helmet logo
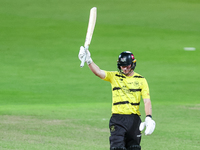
pixel 132 56
pixel 123 59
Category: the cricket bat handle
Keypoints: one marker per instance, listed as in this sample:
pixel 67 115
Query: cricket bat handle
pixel 84 57
pixel 83 61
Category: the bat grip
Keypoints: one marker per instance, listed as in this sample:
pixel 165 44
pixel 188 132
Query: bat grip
pixel 83 61
pixel 84 57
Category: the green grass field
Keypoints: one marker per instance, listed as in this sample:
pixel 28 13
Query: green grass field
pixel 47 102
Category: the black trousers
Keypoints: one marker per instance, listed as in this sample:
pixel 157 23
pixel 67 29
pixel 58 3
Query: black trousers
pixel 124 130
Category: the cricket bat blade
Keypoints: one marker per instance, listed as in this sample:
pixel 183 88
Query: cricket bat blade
pixel 90 29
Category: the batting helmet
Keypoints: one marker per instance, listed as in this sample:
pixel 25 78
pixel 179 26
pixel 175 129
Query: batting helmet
pixel 125 59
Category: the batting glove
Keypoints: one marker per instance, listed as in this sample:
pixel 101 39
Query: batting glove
pixel 83 53
pixel 150 125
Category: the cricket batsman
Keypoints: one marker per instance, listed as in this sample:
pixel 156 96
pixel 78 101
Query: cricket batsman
pixel 127 89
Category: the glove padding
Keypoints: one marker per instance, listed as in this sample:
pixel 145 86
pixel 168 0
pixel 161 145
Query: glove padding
pixel 150 126
pixel 83 53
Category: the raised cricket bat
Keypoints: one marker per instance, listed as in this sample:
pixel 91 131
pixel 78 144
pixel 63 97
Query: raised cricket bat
pixel 91 25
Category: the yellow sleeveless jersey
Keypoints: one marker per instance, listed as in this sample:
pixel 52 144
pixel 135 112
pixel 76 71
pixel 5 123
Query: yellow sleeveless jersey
pixel 127 92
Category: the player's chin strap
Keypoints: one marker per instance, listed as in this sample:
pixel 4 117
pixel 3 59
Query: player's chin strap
pixel 127 73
